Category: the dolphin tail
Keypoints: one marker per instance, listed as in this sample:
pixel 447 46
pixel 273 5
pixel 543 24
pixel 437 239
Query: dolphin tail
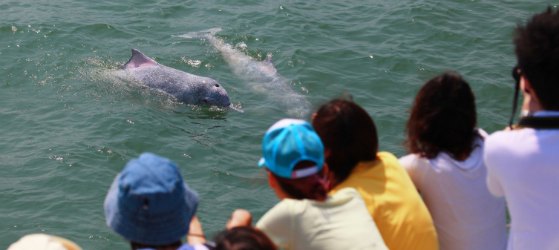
pixel 200 34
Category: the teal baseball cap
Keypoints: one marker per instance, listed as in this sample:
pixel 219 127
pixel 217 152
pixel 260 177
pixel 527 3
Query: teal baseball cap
pixel 288 142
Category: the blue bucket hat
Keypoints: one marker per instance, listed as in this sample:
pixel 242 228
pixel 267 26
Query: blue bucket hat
pixel 288 142
pixel 149 202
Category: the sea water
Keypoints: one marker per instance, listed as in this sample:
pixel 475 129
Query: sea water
pixel 67 127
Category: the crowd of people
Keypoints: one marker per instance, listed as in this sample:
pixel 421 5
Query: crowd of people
pixel 338 191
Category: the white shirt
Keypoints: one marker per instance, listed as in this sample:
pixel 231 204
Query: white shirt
pixel 523 166
pixel 465 214
pixel 341 222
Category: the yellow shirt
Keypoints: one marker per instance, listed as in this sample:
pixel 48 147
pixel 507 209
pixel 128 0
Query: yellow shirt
pixel 394 203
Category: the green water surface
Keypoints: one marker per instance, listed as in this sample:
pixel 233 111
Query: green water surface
pixel 67 128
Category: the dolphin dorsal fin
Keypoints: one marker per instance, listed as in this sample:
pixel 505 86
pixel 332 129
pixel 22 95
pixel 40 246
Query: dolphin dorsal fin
pixel 138 59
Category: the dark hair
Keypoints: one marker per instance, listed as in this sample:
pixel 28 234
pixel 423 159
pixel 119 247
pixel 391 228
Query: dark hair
pixel 348 134
pixel 537 52
pixel 443 118
pixel 136 245
pixel 243 238
pixel 312 187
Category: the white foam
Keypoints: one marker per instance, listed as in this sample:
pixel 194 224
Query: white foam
pixel 199 34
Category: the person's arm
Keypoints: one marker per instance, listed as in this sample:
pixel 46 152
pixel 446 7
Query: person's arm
pixel 195 234
pixel 239 217
pixel 411 164
pixel 493 184
pixel 490 159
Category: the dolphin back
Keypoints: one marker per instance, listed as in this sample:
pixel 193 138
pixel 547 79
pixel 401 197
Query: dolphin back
pixel 138 59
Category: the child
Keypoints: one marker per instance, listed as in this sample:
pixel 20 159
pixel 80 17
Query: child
pixel 307 217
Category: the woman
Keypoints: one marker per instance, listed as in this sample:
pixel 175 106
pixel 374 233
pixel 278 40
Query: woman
pixel 351 147
pixel 446 165
pixel 307 217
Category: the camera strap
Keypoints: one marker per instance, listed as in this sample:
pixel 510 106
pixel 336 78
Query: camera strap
pixel 539 122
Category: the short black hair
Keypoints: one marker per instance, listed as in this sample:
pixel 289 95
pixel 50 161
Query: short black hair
pixel 537 52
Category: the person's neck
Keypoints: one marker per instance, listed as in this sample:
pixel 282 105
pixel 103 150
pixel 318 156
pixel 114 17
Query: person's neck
pixel 530 105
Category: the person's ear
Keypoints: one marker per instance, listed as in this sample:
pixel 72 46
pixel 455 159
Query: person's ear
pixel 274 185
pixel 313 115
pixel 531 101
pixel 271 180
pixel 525 85
pixel 329 176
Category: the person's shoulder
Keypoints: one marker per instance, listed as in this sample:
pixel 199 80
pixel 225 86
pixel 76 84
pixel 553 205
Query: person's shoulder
pixel 496 142
pixel 389 161
pixel 345 192
pixel 290 206
pixel 281 212
pixel 386 156
pixel 414 164
pixel 506 138
pixel 500 146
pixel 409 160
pixel 500 135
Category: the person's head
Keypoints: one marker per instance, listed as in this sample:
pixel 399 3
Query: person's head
pixel 442 118
pixel 43 241
pixel 149 204
pixel 537 52
pixel 348 133
pixel 243 238
pixel 294 157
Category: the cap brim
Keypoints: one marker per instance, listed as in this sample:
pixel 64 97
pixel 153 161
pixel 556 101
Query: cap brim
pixel 261 162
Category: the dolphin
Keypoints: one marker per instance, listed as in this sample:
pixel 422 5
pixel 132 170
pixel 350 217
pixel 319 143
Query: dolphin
pixel 262 76
pixel 185 87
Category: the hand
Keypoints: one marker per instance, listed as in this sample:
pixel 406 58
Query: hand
pixel 239 217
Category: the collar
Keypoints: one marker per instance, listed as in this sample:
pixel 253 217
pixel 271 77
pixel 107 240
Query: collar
pixel 546 113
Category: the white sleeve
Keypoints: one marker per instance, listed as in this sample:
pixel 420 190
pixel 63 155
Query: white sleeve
pixel 493 184
pixel 410 163
pixel 200 247
pixel 492 179
pixel 482 133
pixel 276 224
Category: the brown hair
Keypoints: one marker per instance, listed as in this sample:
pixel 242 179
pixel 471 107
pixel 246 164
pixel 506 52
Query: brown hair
pixel 313 187
pixel 243 238
pixel 442 118
pixel 136 245
pixel 348 133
